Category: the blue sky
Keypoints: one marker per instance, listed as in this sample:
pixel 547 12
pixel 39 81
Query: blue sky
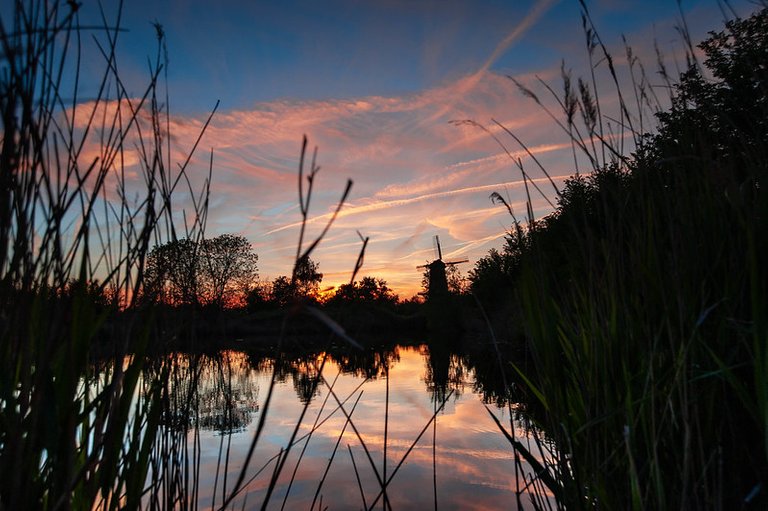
pixel 375 85
pixel 248 52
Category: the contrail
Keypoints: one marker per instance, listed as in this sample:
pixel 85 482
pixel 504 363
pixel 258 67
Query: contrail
pixel 530 19
pixel 376 206
pixel 538 10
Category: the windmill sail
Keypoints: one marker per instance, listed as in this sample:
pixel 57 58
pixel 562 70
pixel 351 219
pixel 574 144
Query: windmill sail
pixel 436 245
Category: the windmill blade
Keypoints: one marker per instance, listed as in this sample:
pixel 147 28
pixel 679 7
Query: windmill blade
pixel 458 262
pixel 436 246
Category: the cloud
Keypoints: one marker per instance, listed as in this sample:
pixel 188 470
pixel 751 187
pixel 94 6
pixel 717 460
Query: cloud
pixel 415 174
pixel 468 84
pixel 378 205
pixel 412 179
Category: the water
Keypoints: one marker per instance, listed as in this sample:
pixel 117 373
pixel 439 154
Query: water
pixel 459 460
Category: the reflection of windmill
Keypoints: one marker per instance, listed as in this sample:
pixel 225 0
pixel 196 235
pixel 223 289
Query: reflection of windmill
pixel 438 282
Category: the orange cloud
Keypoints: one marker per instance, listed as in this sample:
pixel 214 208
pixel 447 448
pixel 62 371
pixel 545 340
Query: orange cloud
pixel 412 179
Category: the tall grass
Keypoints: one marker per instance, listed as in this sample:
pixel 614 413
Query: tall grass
pixel 75 229
pixel 644 293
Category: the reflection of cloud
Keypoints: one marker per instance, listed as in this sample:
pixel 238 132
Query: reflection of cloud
pixel 473 461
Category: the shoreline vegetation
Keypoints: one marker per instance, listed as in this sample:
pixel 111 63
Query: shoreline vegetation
pixel 631 323
pixel 644 296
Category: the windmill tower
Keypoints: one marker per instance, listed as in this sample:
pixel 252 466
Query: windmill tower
pixel 438 280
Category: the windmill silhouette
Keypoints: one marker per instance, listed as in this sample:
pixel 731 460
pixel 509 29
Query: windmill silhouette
pixel 438 281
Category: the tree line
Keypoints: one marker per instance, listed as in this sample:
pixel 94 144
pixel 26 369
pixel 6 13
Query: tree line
pixel 222 272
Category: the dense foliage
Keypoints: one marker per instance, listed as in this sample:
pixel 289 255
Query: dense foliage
pixel 219 271
pixel 646 300
pixel 285 291
pixel 369 290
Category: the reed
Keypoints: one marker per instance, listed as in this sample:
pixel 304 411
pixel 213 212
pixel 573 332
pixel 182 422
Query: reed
pixel 644 293
pixel 75 230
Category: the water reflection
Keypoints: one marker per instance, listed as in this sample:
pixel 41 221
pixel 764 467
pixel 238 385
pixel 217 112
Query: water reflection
pixel 419 423
pixel 446 372
pixel 227 393
pixel 212 392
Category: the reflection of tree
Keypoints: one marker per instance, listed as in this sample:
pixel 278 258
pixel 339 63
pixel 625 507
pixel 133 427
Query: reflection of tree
pixel 303 371
pixel 497 382
pixel 369 363
pixel 306 382
pixel 218 392
pixel 227 393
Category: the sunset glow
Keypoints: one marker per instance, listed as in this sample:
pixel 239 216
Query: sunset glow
pixel 375 88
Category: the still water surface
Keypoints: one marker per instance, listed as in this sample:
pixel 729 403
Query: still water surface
pixel 460 460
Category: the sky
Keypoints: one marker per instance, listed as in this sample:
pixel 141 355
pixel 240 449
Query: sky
pixel 376 86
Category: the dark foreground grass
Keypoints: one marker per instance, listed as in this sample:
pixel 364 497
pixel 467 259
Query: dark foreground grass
pixel 645 294
pixel 74 235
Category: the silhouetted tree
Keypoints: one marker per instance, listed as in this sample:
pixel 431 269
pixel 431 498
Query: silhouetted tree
pixel 259 295
pixel 216 272
pixel 493 275
pixel 228 269
pixel 375 290
pixel 725 119
pixel 172 273
pixel 283 291
pixel 305 284
pixel 367 290
pixel 307 278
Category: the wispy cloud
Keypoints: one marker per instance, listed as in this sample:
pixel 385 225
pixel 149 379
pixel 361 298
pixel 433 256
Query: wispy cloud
pixel 415 173
pixel 411 179
pixel 378 205
pixel 468 84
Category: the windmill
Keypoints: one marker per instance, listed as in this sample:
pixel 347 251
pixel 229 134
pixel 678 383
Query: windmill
pixel 438 281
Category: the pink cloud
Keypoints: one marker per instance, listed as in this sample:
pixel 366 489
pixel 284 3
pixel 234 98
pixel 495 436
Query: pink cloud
pixel 399 178
pixel 415 174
